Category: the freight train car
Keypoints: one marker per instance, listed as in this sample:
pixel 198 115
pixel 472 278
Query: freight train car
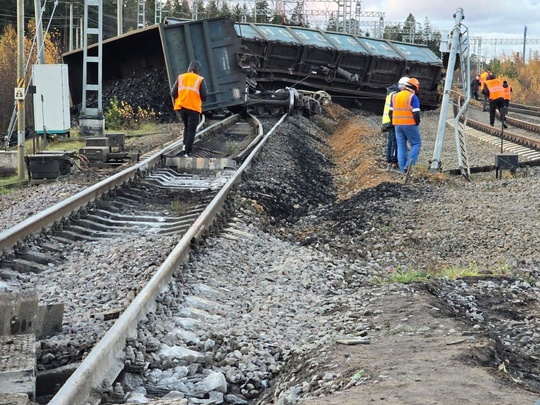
pixel 239 58
pixel 354 70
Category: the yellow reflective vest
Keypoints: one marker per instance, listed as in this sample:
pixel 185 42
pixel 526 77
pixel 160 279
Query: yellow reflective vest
pixel 386 110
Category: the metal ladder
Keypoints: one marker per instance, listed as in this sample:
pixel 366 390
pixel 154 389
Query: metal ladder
pixel 92 64
pixel 459 127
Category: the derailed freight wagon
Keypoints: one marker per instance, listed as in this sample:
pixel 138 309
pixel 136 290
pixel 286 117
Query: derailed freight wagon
pixel 166 50
pixel 354 70
pixel 237 59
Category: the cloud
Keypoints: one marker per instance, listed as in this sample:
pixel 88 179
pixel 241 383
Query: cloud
pixel 504 20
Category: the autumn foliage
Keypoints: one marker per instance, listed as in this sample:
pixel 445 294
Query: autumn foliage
pixel 523 77
pixel 8 67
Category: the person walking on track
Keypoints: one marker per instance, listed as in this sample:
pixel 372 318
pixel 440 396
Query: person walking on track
pixel 189 92
pixel 494 90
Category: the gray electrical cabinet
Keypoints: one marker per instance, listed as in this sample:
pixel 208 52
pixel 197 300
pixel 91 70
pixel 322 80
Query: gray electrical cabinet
pixel 51 99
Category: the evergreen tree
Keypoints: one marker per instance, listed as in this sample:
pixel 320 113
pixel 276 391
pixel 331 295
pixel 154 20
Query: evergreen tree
pixel 212 9
pixel 426 32
pixel 331 26
pixel 297 17
pixel 225 11
pixel 393 33
pixel 238 13
pixel 262 11
pixel 409 32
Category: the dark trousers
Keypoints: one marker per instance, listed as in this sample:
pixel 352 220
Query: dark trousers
pixel 391 147
pixel 190 119
pixel 497 104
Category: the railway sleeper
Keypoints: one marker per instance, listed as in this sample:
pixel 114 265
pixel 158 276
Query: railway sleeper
pixel 28 266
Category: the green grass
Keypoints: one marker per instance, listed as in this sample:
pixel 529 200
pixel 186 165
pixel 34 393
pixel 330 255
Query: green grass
pixel 145 129
pixel 179 207
pixel 408 276
pixel 7 182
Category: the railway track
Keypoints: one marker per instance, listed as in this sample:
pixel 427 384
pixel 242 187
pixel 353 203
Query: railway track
pixel 165 205
pixel 133 354
pixel 522 137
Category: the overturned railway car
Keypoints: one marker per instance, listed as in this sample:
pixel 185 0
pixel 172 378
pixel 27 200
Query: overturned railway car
pixel 353 69
pixel 240 58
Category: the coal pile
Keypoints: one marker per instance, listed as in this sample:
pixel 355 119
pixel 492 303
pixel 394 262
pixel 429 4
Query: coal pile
pixel 144 88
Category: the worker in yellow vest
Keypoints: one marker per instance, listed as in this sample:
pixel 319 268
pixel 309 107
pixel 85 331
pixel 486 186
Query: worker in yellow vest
pixel 391 146
pixel 483 78
pixel 189 92
pixel 493 89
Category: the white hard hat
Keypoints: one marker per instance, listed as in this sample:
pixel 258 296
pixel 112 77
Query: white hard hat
pixel 403 82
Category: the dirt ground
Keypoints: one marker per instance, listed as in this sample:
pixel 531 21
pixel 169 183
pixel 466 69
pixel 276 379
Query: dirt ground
pixel 424 364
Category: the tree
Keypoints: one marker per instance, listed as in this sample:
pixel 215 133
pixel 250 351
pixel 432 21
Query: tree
pixel 238 13
pixel 393 33
pixel 262 12
pixel 212 9
pixel 225 10
pixel 331 26
pixel 8 69
pixel 409 32
pixel 297 17
pixel 426 32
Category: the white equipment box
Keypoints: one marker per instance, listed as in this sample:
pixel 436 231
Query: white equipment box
pixel 51 99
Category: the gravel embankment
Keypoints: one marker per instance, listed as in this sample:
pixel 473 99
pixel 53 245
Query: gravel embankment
pixel 276 297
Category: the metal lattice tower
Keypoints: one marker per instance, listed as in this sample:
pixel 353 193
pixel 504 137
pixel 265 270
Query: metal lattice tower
pixel 348 17
pixel 158 12
pixel 141 11
pixel 91 120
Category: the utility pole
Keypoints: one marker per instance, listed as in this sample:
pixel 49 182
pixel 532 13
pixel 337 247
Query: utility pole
pixel 70 26
pixel 119 17
pixel 524 42
pixel 39 32
pixel 19 90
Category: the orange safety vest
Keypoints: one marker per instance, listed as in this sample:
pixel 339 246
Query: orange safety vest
pixel 496 90
pixel 188 92
pixel 402 109
pixel 507 91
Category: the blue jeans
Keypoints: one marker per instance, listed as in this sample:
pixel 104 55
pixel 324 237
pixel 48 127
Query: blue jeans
pixel 404 134
pixel 391 147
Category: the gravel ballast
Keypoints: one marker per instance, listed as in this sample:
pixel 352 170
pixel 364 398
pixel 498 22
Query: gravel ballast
pixel 316 255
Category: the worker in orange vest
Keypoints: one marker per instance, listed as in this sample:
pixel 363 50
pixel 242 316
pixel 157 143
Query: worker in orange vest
pixel 493 89
pixel 507 94
pixel 483 78
pixel 405 115
pixel 189 92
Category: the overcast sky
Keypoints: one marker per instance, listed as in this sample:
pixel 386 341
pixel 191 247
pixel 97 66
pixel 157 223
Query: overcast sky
pixel 497 19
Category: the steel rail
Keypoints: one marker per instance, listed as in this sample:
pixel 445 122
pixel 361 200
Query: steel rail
pixel 48 217
pixel 105 362
pixel 524 140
